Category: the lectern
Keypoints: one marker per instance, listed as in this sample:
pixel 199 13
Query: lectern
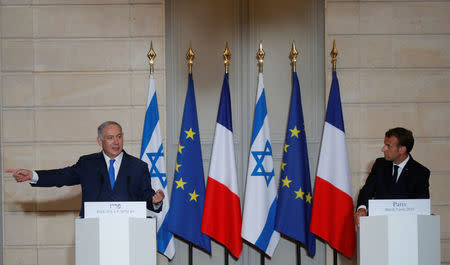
pixel 115 240
pixel 398 239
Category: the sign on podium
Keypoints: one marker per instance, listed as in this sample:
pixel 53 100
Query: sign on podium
pixel 115 233
pixel 395 233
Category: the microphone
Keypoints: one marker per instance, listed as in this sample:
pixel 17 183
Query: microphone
pixel 102 180
pixel 130 194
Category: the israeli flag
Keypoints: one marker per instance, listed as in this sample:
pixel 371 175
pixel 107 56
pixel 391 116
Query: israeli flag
pixel 152 153
pixel 258 225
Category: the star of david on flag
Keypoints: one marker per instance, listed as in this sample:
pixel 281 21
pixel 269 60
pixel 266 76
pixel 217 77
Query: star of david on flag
pixel 154 171
pixel 260 193
pixel 259 157
pixel 152 154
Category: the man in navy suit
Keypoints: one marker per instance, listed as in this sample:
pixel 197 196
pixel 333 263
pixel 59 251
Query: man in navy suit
pixel 397 175
pixel 111 175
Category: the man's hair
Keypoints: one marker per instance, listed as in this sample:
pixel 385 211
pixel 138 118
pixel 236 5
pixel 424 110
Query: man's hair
pixel 103 125
pixel 404 136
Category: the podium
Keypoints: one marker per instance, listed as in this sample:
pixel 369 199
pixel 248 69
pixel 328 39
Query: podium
pixel 399 239
pixel 115 241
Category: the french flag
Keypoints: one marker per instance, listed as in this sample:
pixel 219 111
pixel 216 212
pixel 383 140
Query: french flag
pixel 222 209
pixel 332 212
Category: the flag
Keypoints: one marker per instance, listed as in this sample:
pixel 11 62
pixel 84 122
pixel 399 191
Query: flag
pixel 332 214
pixel 260 194
pixel 188 190
pixel 294 192
pixel 222 214
pixel 152 153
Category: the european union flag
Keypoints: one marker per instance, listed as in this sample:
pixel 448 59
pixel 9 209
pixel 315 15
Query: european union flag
pixel 188 190
pixel 294 191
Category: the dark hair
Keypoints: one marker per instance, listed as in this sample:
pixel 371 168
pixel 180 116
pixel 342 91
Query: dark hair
pixel 404 136
pixel 103 125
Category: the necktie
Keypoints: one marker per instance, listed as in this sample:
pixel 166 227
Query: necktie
pixel 394 176
pixel 112 175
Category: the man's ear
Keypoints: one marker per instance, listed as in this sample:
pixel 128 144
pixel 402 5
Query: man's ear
pixel 99 141
pixel 402 149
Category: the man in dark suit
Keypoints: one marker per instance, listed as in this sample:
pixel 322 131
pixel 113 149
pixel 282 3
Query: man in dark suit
pixel 397 175
pixel 111 175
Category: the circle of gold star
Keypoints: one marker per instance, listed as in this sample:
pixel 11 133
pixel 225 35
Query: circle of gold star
pixel 190 134
pixel 180 183
pixel 299 193
pixel 194 196
pixel 294 132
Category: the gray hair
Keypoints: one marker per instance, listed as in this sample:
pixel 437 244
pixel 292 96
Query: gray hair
pixel 103 125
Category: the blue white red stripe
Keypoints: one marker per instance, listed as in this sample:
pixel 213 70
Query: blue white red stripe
pixel 222 211
pixel 332 214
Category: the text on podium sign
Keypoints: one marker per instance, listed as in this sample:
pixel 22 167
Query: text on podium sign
pixel 115 209
pixel 399 206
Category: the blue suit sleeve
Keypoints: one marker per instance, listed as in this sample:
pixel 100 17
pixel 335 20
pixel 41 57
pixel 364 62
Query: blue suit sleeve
pixel 146 191
pixel 368 190
pixel 67 176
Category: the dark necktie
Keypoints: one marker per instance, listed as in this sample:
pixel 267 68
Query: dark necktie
pixel 394 176
pixel 112 175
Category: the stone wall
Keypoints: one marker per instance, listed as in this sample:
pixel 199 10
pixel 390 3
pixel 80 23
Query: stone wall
pixel 67 66
pixel 394 70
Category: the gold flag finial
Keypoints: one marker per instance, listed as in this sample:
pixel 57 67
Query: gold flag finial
pixel 190 57
pixel 293 57
pixel 333 54
pixel 151 56
pixel 260 57
pixel 226 57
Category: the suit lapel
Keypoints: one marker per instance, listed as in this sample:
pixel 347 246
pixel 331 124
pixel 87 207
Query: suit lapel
pixel 405 171
pixel 388 173
pixel 123 170
pixel 101 166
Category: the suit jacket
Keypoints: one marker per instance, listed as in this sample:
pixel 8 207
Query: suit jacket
pixel 413 182
pixel 133 181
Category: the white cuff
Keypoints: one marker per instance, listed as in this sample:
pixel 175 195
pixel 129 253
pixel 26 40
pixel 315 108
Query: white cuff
pixel 362 207
pixel 157 206
pixel 35 178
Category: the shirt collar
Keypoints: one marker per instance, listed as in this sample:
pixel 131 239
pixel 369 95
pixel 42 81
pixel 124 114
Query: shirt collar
pixel 117 159
pixel 403 164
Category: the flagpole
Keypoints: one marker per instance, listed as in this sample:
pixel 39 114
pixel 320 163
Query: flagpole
pixel 293 57
pixel 190 253
pixel 333 55
pixel 226 62
pixel 190 61
pixel 260 58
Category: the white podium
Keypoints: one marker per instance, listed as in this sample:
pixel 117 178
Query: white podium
pixel 400 239
pixel 115 241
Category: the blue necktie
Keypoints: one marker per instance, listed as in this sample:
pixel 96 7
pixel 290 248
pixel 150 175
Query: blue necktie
pixel 112 175
pixel 394 176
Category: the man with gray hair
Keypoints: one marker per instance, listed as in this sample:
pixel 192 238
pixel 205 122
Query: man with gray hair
pixel 111 175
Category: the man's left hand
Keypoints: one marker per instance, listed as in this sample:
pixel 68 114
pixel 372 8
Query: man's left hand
pixel 158 197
